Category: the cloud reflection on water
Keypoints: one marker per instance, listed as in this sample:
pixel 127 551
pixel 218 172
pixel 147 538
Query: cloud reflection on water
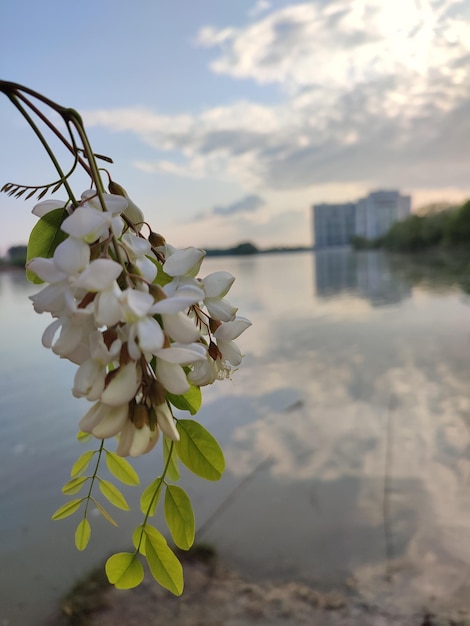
pixel 356 413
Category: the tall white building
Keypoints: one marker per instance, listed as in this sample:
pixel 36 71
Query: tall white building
pixel 334 224
pixel 379 211
pixel 370 217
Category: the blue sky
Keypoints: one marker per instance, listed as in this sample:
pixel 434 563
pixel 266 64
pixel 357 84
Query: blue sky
pixel 227 120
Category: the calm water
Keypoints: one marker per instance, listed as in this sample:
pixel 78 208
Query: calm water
pixel 346 433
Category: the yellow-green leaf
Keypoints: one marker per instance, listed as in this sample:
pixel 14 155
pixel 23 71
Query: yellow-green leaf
pixel 113 494
pixel 83 437
pixel 199 450
pixel 74 485
pixel 82 534
pixel 190 401
pixel 163 563
pixel 82 463
pixel 136 538
pixel 173 472
pixel 121 469
pixel 44 239
pixel 150 497
pixel 124 570
pixel 179 516
pixel 67 509
pixel 104 512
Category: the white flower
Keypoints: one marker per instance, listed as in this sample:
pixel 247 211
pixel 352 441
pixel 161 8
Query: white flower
pixel 73 328
pixel 90 377
pixel 138 250
pixel 135 441
pixel 115 204
pixel 46 206
pixel 183 262
pixel 169 369
pixel 180 327
pixel 89 222
pixel 145 335
pixel 123 385
pixel 104 421
pixel 225 334
pixel 99 275
pixel 166 422
pixel 179 297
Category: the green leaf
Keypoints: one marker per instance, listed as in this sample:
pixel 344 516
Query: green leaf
pixel 67 509
pixel 190 401
pixel 104 512
pixel 124 570
pixel 179 516
pixel 113 494
pixel 199 450
pixel 163 563
pixel 161 278
pixel 136 535
pixel 82 534
pixel 74 485
pixel 82 463
pixel 121 469
pixel 82 437
pixel 149 493
pixel 44 239
pixel 173 471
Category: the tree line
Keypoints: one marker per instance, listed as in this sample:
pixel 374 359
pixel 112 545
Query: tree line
pixel 440 228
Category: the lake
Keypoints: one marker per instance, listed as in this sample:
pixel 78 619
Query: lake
pixel 345 430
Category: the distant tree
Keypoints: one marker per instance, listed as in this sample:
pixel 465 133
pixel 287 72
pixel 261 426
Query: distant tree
pixel 245 248
pixel 17 255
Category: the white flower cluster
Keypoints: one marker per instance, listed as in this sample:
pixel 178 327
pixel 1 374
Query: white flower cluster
pixel 130 312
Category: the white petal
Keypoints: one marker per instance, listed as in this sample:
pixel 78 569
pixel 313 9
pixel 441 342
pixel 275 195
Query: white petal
pixel 180 328
pixel 113 202
pixel 230 351
pixel 182 262
pixel 203 373
pixel 151 337
pixel 166 422
pixel 69 339
pixel 104 421
pixel 50 299
pixel 89 380
pixel 232 330
pixel 87 223
pixel 46 269
pixel 148 269
pixel 113 421
pixel 134 213
pixel 122 387
pixel 136 441
pixel 44 207
pixel 218 284
pixel 107 307
pixel 172 377
pixel 136 304
pixel 72 255
pixel 50 332
pixel 182 354
pixel 220 309
pixel 99 275
pixel 138 246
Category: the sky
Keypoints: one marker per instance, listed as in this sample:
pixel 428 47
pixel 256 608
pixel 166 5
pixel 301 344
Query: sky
pixel 227 120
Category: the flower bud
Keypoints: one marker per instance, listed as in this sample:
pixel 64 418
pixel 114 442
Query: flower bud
pixel 157 240
pixel 133 213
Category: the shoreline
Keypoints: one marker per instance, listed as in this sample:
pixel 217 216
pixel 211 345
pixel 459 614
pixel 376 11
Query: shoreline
pixel 216 595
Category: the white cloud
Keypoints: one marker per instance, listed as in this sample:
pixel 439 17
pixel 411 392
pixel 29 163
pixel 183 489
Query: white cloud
pixel 373 93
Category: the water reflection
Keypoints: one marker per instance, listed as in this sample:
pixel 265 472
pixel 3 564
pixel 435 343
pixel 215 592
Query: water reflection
pixel 345 432
pixel 368 275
